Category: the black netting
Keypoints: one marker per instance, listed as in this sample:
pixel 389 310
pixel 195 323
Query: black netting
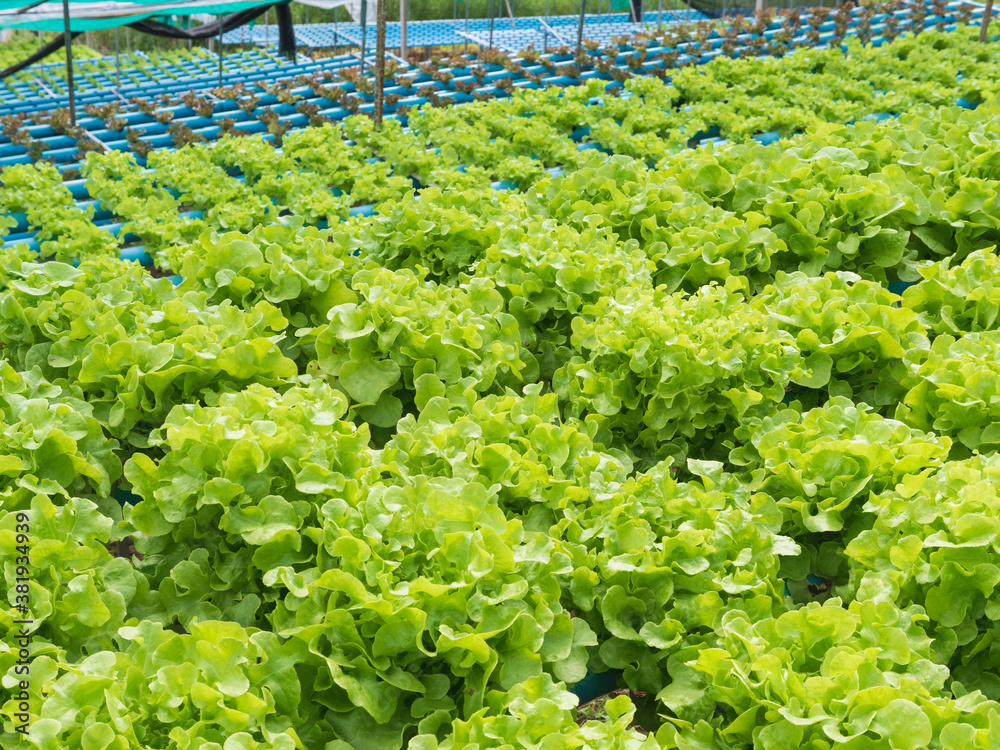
pixel 41 54
pixel 286 33
pixel 229 22
pixel 720 8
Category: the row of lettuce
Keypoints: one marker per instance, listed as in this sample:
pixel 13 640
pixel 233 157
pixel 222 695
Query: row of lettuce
pixel 329 91
pixel 321 174
pixel 399 482
pixel 524 538
pixel 328 592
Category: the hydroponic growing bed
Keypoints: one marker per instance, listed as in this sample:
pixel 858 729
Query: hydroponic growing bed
pixel 182 102
pixel 323 174
pixel 714 426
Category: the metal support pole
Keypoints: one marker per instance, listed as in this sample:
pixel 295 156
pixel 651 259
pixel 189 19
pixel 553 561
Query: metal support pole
pixel 404 13
pixel 489 8
pixel 267 33
pixel 659 16
pixel 69 63
pixel 364 33
pixel 984 30
pixel 579 28
pixel 219 18
pixel 466 24
pixel 545 43
pixel 128 39
pixel 118 63
pixel 379 61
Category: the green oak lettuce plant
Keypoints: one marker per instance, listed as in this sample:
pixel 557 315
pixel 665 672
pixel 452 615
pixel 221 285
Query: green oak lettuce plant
pixel 958 299
pixel 227 202
pixel 325 152
pixel 658 560
pixel 949 387
pixel 462 601
pixel 539 464
pixel 218 686
pixel 51 442
pixel 80 593
pixel 820 467
pixel 445 232
pixel 934 544
pixel 236 493
pixel 401 327
pixel 820 201
pixel 58 470
pixel 303 271
pixel 673 374
pixel 544 143
pixel 64 231
pixel 548 272
pixel 618 193
pixel 150 211
pixel 410 596
pixel 819 464
pixel 851 675
pixel 540 713
pixel 638 137
pixel 131 344
pixel 964 218
pixel 272 173
pixel 694 243
pixel 851 333
pixel 672 216
pixel 399 146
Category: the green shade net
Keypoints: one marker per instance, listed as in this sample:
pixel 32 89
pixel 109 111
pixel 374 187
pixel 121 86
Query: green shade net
pixel 48 16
